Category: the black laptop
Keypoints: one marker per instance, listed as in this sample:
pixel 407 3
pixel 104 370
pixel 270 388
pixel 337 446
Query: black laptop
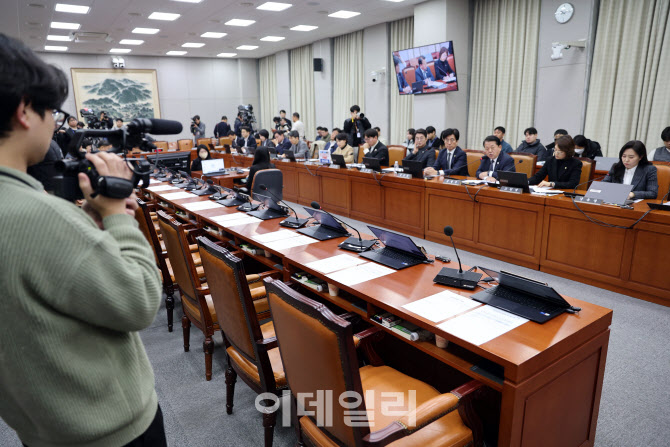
pixel 328 227
pixel 414 167
pixel 514 180
pixel 658 206
pixel 289 154
pixel 399 250
pixel 372 163
pixel 338 160
pixel 417 87
pixel 615 193
pixel 522 296
pixel 272 210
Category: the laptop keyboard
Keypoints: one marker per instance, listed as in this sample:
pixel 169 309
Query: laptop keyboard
pixel 395 255
pixel 524 300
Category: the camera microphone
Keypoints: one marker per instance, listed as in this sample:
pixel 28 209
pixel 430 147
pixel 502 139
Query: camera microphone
pixel 155 126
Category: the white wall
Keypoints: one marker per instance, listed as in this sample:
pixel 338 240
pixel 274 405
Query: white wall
pixel 323 84
pixel 186 86
pixel 376 56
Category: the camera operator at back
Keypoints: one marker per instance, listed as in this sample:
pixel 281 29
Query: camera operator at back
pixel 197 128
pixel 356 126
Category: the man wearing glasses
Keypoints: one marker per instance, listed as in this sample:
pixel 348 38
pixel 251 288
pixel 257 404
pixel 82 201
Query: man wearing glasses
pixel 76 292
pixel 376 147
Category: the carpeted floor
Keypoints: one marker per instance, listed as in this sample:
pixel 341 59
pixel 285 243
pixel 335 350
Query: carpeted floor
pixel 633 408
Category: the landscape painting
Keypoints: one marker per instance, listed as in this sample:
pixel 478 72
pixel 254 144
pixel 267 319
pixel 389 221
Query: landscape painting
pixel 125 94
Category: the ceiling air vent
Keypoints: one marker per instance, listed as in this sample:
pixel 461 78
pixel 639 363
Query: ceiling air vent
pixel 86 37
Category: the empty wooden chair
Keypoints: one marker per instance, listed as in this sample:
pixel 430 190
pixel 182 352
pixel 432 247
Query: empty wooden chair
pixel 185 145
pixel 473 156
pixel 588 171
pixel 161 145
pixel 396 153
pixel 524 163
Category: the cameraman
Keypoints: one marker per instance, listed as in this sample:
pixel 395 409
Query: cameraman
pixel 197 128
pixel 74 370
pixel 105 121
pixel 356 126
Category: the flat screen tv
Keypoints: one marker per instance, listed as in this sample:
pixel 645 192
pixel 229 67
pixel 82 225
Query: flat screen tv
pixel 426 69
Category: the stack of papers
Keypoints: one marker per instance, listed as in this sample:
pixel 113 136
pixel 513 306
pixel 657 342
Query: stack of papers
pixel 482 324
pixel 161 188
pixel 275 236
pixel 335 263
pixel 234 219
pixel 153 181
pixel 546 191
pixel 292 242
pixel 360 273
pixel 474 182
pixel 178 195
pixel 199 206
pixel 441 306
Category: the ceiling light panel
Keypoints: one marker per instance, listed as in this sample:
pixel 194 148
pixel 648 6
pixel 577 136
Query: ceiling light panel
pixel 176 53
pixel 304 28
pixel 240 22
pixel 131 42
pixel 120 50
pixel 212 35
pixel 247 47
pixel 272 38
pixel 227 54
pixel 58 38
pixel 74 9
pixel 164 16
pixel 146 30
pixel 193 45
pixel 54 48
pixel 65 25
pixel 344 14
pixel 274 6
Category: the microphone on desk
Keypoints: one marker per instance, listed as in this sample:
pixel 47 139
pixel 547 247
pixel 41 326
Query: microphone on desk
pixel 456 278
pixel 207 188
pixel 288 222
pixel 218 192
pixel 351 244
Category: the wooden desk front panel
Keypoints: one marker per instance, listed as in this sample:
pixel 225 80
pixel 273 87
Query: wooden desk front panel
pixel 367 200
pixel 335 191
pixel 650 246
pixel 449 208
pixel 290 176
pixel 309 186
pixel 404 208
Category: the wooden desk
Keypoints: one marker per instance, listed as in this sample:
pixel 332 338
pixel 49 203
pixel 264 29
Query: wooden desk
pixel 552 372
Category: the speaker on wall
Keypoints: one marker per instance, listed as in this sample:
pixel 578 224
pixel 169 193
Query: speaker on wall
pixel 318 64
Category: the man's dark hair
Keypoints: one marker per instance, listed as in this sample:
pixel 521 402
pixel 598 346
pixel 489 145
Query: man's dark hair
pixel 296 114
pixel 120 119
pixel 447 132
pixel 421 132
pixel 336 129
pixel 500 128
pixel 355 108
pixel 26 77
pixel 371 133
pixel 665 135
pixel 264 133
pixel 325 129
pixel 561 132
pixel 247 128
pixel 341 136
pixel 493 138
pixel 531 131
pixel 396 61
pixel 279 132
pixel 224 117
pixel 420 60
pixel 580 141
pixel 430 129
pixel 196 117
pixel 282 111
pixel 294 134
pixel 80 124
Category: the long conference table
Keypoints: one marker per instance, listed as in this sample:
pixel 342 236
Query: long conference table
pixel 544 381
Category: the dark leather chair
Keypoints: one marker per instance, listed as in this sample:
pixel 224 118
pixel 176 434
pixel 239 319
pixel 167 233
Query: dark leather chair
pixel 272 178
pixel 318 353
pixel 251 348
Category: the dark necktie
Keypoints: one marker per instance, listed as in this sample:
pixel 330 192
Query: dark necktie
pixel 448 160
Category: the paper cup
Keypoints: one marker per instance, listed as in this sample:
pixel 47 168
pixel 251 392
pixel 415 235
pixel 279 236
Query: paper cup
pixel 333 290
pixel 267 254
pixel 441 342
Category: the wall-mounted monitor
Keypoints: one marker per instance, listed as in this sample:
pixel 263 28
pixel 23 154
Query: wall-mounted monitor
pixel 426 69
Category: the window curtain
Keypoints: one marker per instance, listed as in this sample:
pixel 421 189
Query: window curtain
pixel 629 98
pixel 268 90
pixel 504 66
pixel 302 88
pixel 402 107
pixel 348 76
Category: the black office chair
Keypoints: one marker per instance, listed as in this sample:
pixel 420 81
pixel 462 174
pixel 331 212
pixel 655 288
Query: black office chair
pixel 272 179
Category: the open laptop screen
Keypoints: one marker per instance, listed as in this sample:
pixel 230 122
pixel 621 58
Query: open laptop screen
pixel 269 202
pixel 213 165
pixel 397 241
pixel 325 219
pixel 529 286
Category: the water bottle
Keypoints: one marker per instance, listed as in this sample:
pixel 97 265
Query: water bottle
pixel 395 166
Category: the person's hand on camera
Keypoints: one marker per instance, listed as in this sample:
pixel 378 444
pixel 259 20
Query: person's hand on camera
pixel 107 165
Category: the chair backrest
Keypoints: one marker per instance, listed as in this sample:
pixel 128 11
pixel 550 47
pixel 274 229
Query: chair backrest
pixel 431 66
pixel 410 75
pixel 176 244
pixel 272 178
pixel 588 171
pixel 524 162
pixel 231 297
pixel 146 224
pixel 360 154
pixel 317 351
pixel 396 153
pixel 225 140
pixel 473 155
pixel 173 145
pixel 316 147
pixel 185 145
pixel 663 175
pixel 161 145
pixel 205 141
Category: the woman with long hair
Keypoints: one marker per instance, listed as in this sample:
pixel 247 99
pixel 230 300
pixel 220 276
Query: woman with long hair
pixel 633 168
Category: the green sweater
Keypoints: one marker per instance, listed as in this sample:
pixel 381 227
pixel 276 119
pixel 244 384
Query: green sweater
pixel 73 370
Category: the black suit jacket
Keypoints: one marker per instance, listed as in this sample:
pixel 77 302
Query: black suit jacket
pixel 381 152
pixel 442 69
pixel 354 127
pixel 645 181
pixel 425 155
pixel 459 163
pixel 250 141
pixel 567 178
pixel 221 130
pixel 267 143
pixel 503 163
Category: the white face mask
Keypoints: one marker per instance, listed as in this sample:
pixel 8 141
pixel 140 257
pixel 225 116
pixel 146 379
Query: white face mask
pixel 579 151
pixel 203 156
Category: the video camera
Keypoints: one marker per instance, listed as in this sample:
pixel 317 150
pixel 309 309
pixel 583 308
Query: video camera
pixel 194 125
pixel 122 140
pixel 93 118
pixel 247 117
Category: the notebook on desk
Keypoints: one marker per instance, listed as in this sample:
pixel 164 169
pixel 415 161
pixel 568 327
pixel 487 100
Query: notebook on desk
pixel 616 193
pixel 328 227
pixel 399 250
pixel 214 166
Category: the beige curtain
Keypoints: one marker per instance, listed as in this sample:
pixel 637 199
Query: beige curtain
pixel 504 66
pixel 348 75
pixel 629 92
pixel 302 88
pixel 402 107
pixel 268 91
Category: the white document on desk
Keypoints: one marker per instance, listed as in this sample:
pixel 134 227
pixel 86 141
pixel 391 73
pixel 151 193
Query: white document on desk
pixel 275 236
pixel 335 263
pixel 544 191
pixel 360 273
pixel 179 195
pixel 161 188
pixel 199 206
pixel 153 181
pixel 482 324
pixel 228 217
pixel 291 242
pixel 441 306
pixel 243 220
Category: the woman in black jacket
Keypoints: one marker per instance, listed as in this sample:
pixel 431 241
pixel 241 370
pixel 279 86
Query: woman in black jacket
pixel 203 154
pixel 261 161
pixel 442 68
pixel 563 169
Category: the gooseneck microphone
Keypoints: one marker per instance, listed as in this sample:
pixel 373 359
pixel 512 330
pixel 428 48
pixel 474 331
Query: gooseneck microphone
pixel 288 222
pixel 351 244
pixel 456 278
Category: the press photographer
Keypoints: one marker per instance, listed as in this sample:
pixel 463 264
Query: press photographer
pixel 197 128
pixel 356 126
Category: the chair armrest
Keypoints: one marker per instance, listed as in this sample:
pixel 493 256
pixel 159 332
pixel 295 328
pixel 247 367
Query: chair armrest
pixel 202 290
pixel 364 340
pixel 369 332
pixel 348 315
pixel 267 344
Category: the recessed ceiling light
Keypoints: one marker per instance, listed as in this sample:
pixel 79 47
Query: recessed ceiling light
pixel 344 14
pixel 120 50
pixel 65 25
pixel 272 38
pixel 54 48
pixel 212 35
pixel 176 53
pixel 145 30
pixel 395 1
pixel 240 22
pixel 131 42
pixel 227 54
pixel 58 38
pixel 193 45
pixel 247 47
pixel 75 9
pixel 274 6
pixel 187 1
pixel 304 28
pixel 164 16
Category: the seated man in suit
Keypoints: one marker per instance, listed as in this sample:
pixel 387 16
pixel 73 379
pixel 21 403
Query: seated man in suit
pixel 452 159
pixel 494 161
pixel 376 148
pixel 403 86
pixel 431 138
pixel 422 152
pixel 633 168
pixel 500 133
pixel 423 73
pixel 532 145
pixel 663 153
pixel 332 144
pixel 264 136
pixel 281 142
pixel 298 146
pixel 246 140
pixel 343 148
pixel 563 170
pixel 550 147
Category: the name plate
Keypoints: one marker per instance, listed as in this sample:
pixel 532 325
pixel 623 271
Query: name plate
pixel 511 189
pixel 451 181
pixel 366 171
pixel 589 200
pixel 403 175
pixel 285 160
pixel 334 166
